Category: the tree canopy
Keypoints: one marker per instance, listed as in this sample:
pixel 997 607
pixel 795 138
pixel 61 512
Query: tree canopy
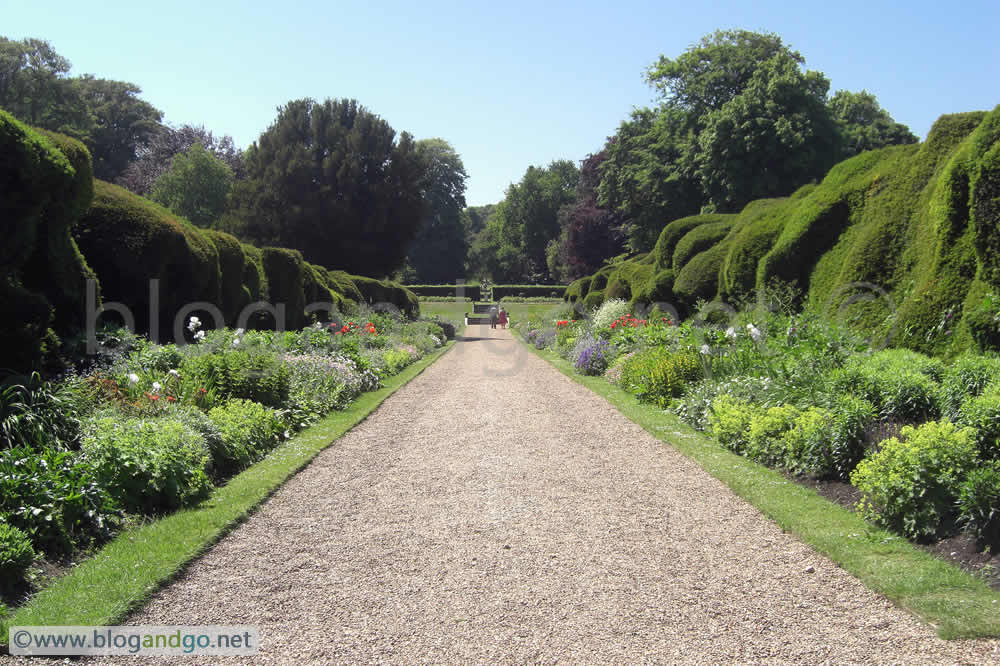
pixel 196 186
pixel 739 119
pixel 332 180
pixel 108 116
pixel 438 252
pixel 523 224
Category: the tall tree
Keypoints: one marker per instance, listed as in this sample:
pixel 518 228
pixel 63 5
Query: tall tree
pixel 774 136
pixel 649 175
pixel 107 116
pixel 332 180
pixel 438 252
pixel 196 186
pixel 717 69
pixel 590 233
pixel 865 125
pixel 122 123
pixel 155 156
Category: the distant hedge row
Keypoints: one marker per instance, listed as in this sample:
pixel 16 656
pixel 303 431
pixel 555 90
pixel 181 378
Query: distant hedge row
pixel 445 290
pixel 63 228
pixel 528 290
pixel 904 241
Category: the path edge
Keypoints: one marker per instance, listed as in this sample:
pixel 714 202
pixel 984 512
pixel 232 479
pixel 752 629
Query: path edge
pixel 225 509
pixel 886 560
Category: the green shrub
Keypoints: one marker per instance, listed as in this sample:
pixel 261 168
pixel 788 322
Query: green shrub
pixel 249 430
pixel 657 375
pixel 767 434
pixel 201 423
pixel 967 377
pixel 255 375
pixel 853 417
pixel 979 503
pixel 982 414
pixel 729 421
pixel 807 442
pixel 148 465
pixel 53 497
pixel 899 383
pixel 911 484
pixel 16 554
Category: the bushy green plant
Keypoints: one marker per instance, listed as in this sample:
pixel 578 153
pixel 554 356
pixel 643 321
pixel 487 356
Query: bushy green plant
pixel 255 375
pixel 41 414
pixel 54 497
pixel 982 414
pixel 767 434
pixel 657 375
pixel 899 390
pixel 729 421
pixel 16 554
pixel 911 484
pixel 979 503
pixel 201 423
pixel 249 430
pixel 967 377
pixel 853 417
pixel 608 312
pixel 148 465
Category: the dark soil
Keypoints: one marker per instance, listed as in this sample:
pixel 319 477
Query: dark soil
pixel 961 550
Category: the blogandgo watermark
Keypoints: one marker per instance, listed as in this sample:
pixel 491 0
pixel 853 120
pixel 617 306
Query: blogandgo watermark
pixel 141 640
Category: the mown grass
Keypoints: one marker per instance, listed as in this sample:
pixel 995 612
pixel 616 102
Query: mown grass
pixel 957 604
pixel 123 575
pixel 456 311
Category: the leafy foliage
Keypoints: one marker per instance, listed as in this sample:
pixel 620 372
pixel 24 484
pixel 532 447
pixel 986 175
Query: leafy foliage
pixel 148 465
pixel 248 431
pixel 16 554
pixel 911 483
pixel 438 252
pixel 195 186
pixel 332 180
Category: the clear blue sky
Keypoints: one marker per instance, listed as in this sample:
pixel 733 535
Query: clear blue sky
pixel 508 84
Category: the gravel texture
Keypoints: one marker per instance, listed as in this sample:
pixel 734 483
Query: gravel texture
pixel 495 511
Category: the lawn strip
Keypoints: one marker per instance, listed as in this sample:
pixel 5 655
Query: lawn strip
pixel 954 602
pixel 127 571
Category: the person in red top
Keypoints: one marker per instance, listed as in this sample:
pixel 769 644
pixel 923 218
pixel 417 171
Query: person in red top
pixel 503 318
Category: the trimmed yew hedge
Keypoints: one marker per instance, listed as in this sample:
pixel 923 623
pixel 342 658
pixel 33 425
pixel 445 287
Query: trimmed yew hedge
pixel 55 214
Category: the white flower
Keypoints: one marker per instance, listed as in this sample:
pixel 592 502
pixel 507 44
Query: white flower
pixel 174 373
pixel 133 378
pixel 706 350
pixel 731 333
pixel 236 342
pixel 239 331
pixel 194 324
pixel 754 332
pixel 156 387
pixel 200 335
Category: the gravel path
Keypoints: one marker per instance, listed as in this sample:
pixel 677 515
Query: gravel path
pixel 495 511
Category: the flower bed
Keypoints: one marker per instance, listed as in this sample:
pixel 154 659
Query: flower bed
pixel 915 435
pixel 145 429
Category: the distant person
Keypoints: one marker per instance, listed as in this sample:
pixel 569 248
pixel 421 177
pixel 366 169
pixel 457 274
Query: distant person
pixel 493 316
pixel 503 318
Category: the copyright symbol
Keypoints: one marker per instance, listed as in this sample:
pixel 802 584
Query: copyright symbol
pixel 22 639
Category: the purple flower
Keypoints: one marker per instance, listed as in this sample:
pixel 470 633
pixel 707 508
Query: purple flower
pixel 593 360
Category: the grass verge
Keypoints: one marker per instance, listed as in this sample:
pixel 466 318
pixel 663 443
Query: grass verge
pixel 123 575
pixel 955 603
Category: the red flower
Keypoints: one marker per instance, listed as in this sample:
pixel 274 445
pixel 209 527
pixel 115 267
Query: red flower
pixel 171 398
